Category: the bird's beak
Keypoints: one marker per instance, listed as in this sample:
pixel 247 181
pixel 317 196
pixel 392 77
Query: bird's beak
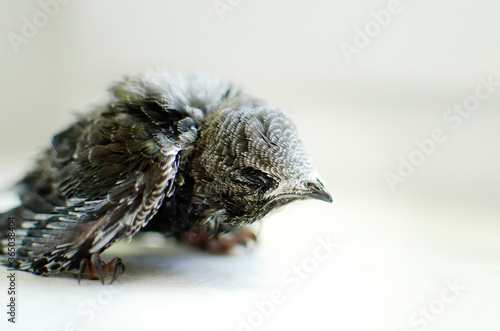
pixel 323 196
pixel 305 190
pixel 316 190
pixel 310 190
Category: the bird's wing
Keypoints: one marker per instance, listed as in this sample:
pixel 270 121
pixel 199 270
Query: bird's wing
pixel 103 180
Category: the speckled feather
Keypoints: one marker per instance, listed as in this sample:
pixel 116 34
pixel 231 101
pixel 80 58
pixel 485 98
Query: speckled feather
pixel 184 152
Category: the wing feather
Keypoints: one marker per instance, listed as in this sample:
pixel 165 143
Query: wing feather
pixel 104 179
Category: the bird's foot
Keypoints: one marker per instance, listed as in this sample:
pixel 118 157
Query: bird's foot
pixel 219 244
pixel 94 268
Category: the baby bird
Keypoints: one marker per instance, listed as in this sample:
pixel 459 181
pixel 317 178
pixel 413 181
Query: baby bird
pixel 185 155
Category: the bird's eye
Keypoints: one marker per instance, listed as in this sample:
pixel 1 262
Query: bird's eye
pixel 254 179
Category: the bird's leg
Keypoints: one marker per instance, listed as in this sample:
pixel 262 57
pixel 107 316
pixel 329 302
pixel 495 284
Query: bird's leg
pixel 221 244
pixel 94 268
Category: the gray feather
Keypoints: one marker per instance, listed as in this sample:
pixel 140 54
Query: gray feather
pixel 179 152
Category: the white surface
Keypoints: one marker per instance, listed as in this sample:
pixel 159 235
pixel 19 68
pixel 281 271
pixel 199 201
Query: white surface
pixel 397 250
pixel 385 268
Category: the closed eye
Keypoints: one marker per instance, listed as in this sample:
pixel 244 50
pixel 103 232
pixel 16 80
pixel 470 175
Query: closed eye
pixel 254 179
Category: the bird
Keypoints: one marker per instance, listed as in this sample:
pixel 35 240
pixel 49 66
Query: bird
pixel 186 155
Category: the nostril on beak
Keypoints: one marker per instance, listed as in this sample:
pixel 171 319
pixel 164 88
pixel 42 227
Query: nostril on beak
pixel 317 191
pixel 313 186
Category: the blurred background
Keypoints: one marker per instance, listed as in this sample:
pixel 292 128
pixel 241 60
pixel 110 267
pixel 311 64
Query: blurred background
pixel 368 83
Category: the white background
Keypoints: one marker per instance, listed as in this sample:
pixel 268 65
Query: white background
pixel 398 250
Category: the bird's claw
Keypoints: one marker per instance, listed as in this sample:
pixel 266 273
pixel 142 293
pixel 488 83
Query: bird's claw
pixel 95 268
pixel 220 244
pixel 118 269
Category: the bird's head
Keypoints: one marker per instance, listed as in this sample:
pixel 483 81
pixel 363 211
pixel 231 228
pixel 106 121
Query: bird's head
pixel 249 160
